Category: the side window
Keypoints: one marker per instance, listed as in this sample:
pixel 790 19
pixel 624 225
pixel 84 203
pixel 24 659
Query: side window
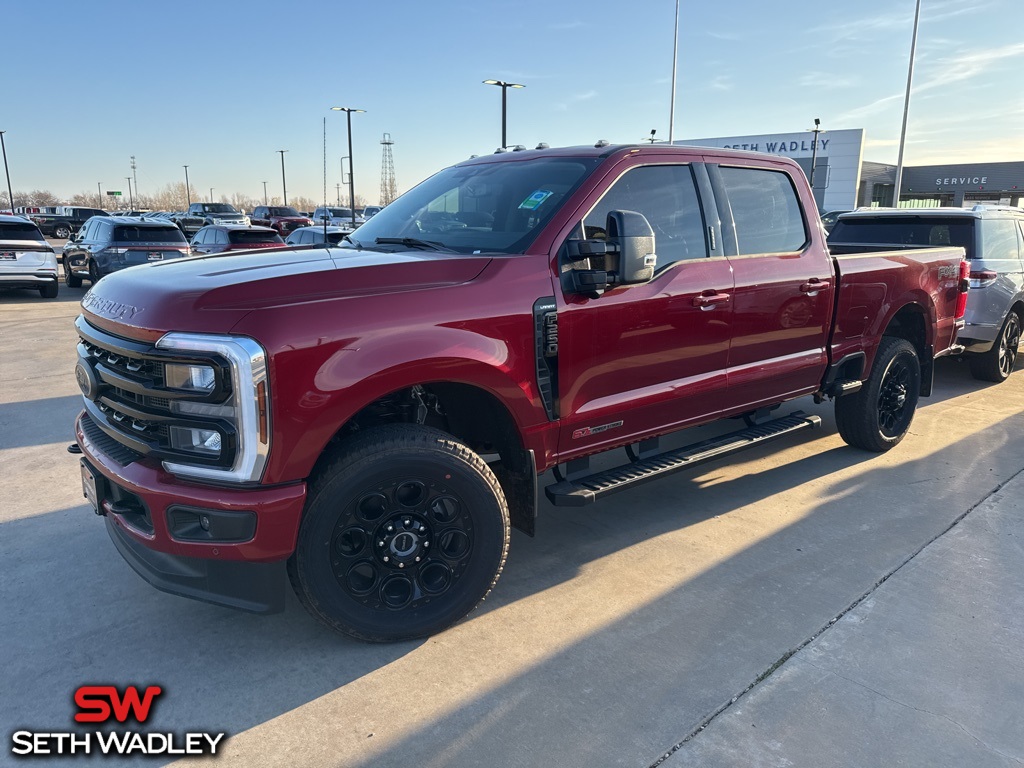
pixel 765 209
pixel 999 239
pixel 200 237
pixel 222 237
pixel 667 196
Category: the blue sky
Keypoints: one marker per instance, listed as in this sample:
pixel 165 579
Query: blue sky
pixel 221 85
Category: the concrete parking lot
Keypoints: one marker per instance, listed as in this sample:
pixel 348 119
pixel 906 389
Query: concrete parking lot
pixel 661 622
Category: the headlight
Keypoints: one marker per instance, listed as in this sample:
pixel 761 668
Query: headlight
pixel 247 410
pixel 195 378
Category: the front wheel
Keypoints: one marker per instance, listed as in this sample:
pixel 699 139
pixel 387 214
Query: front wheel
pixel 94 273
pixel 405 531
pixel 878 417
pixel 997 364
pixel 71 280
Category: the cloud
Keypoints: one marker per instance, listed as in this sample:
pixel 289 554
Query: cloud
pixel 827 80
pixel 722 83
pixel 566 25
pixel 728 36
pixel 576 99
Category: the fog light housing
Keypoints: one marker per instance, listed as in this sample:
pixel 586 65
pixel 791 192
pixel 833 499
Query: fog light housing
pixel 204 442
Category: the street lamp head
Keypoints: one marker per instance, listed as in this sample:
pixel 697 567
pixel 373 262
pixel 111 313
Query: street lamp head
pixel 503 84
pixel 346 109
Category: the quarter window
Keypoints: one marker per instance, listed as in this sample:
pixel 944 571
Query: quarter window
pixel 667 196
pixel 999 239
pixel 765 209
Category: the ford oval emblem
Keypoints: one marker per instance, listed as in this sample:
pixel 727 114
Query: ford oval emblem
pixel 87 380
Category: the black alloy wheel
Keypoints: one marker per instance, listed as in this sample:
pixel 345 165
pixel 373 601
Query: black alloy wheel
pixel 405 531
pixel 71 280
pixel 94 273
pixel 878 417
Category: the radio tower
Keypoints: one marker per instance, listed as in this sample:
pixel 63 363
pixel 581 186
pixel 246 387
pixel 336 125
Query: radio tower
pixel 388 188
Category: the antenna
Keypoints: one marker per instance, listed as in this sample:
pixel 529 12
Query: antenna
pixel 651 137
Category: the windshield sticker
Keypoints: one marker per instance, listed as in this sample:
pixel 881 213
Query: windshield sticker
pixel 535 201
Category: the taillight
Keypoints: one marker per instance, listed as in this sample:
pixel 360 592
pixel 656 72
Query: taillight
pixel 963 285
pixel 983 278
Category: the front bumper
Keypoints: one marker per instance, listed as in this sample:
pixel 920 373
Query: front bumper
pixel 136 497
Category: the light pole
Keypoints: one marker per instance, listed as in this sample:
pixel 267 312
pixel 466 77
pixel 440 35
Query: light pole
pixel 284 186
pixel 188 195
pixel 211 194
pixel 131 200
pixel 99 194
pixel 10 194
pixel 504 105
pixel 135 176
pixel 351 181
pixel 906 109
pixel 814 149
pixel 265 193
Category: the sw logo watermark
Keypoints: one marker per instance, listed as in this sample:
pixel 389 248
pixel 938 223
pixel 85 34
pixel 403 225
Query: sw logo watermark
pixel 105 704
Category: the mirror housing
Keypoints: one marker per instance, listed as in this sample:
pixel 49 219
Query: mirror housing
pixel 631 234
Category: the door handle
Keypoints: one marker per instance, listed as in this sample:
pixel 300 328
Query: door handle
pixel 814 285
pixel 709 299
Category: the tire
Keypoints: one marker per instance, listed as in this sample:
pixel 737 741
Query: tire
pixel 49 291
pixel 94 273
pixel 71 280
pixel 878 417
pixel 405 531
pixel 997 364
pixel 62 231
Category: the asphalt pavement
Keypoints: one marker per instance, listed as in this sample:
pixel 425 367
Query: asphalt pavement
pixel 803 604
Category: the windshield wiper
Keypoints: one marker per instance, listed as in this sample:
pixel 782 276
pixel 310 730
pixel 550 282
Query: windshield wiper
pixel 412 242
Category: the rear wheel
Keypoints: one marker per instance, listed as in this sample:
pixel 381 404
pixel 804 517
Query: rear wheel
pixel 62 231
pixel 71 280
pixel 405 531
pixel 94 273
pixel 49 291
pixel 997 364
pixel 878 417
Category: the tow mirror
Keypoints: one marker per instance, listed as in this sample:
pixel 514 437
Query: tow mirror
pixel 633 237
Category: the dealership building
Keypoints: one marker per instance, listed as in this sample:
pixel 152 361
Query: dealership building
pixel 843 180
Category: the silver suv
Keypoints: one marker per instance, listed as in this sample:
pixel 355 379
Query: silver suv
pixel 992 236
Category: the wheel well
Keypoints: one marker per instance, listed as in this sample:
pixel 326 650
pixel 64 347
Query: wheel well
pixel 909 324
pixel 473 416
pixel 1018 307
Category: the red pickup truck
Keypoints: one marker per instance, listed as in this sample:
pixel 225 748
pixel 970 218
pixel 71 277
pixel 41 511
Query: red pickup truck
pixel 372 418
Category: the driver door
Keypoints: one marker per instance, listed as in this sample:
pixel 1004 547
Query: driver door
pixel 648 358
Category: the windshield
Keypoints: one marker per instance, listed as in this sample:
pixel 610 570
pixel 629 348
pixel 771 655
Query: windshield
pixel 218 208
pixel 19 231
pixel 494 207
pixel 279 211
pixel 914 231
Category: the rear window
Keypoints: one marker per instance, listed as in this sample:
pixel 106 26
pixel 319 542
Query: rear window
pixel 249 236
pixel 128 234
pixel 19 231
pixel 902 231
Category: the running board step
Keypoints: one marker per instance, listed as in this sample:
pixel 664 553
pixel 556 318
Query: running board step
pixel 586 490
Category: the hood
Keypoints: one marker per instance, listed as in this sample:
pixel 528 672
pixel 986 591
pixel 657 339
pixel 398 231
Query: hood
pixel 213 293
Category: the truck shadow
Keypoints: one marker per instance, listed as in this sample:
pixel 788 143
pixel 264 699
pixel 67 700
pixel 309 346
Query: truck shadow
pixel 39 422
